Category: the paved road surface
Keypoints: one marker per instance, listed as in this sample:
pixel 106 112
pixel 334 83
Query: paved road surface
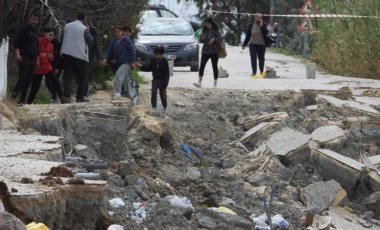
pixel 292 73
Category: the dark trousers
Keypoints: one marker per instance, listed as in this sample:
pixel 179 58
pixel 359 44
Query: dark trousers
pixel 257 51
pixel 214 62
pixel 77 69
pixel 49 84
pixel 155 87
pixel 26 68
pixel 36 83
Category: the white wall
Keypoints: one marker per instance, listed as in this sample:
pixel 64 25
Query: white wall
pixel 3 68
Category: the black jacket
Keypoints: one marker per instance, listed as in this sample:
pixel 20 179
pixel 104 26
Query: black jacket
pixel 27 42
pixel 160 71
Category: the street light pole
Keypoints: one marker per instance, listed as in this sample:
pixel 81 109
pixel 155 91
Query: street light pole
pixel 271 12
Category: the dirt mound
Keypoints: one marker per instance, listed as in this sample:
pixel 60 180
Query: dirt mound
pixel 51 181
pixel 59 171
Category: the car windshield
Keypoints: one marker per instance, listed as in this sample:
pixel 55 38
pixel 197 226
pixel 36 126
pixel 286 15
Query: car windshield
pixel 166 27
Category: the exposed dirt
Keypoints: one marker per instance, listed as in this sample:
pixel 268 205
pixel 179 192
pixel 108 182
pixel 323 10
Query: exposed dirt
pixel 59 171
pixel 206 119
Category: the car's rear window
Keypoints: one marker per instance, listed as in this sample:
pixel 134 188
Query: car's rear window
pixel 166 27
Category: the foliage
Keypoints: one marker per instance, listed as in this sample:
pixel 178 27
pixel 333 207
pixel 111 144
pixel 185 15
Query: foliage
pixel 101 74
pixel 349 46
pixel 135 74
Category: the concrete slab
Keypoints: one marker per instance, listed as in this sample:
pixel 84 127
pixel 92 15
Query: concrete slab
pixel 319 196
pixel 375 160
pixel 343 219
pixel 327 133
pixel 332 137
pixel 368 100
pixel 13 143
pixel 258 130
pixel 251 121
pixel 287 142
pixel 349 104
pixel 332 165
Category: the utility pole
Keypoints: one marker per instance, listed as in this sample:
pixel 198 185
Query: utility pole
pixel 271 12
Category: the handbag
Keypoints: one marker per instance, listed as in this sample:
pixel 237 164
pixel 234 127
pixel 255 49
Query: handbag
pixel 221 49
pixel 268 41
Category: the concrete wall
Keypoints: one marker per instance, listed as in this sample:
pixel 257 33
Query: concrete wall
pixel 3 68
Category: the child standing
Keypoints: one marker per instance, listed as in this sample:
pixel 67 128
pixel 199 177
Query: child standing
pixel 160 70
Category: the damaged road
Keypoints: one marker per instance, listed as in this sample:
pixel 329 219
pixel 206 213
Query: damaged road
pixel 316 151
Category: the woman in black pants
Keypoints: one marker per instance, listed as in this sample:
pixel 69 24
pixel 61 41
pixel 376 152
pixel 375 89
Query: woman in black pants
pixel 255 36
pixel 210 36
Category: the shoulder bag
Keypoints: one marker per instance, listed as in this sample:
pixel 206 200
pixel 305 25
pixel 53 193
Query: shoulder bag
pixel 221 49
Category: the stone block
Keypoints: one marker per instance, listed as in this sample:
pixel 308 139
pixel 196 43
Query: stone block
pixel 289 144
pixel 332 165
pixel 319 196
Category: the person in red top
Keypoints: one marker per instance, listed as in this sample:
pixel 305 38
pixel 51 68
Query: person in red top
pixel 46 57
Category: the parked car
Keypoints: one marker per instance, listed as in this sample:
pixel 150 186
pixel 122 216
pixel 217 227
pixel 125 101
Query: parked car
pixel 175 35
pixel 157 11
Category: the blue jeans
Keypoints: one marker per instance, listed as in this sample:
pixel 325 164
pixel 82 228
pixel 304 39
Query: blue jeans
pixel 257 51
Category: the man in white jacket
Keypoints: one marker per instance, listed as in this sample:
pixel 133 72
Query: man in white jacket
pixel 75 47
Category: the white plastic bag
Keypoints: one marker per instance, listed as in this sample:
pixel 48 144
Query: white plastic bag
pixel 222 73
pixel 117 202
pixel 180 202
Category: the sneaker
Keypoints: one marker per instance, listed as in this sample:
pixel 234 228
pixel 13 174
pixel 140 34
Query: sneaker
pixel 215 83
pixel 257 76
pixel 263 74
pixel 198 84
pixel 82 100
pixel 118 98
pixel 53 101
pixel 163 113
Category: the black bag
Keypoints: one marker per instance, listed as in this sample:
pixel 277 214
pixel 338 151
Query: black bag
pixel 268 41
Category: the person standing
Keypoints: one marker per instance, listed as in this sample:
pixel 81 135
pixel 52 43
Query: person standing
pixel 123 51
pixel 76 40
pixel 255 37
pixel 210 36
pixel 160 71
pixel 46 57
pixel 93 57
pixel 26 51
pixel 57 65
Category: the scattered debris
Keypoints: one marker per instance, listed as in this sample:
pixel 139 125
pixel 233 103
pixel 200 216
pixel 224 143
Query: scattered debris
pixel 59 171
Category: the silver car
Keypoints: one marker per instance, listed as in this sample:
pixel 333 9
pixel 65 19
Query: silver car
pixel 175 35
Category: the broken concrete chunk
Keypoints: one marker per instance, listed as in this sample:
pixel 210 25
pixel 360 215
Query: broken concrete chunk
pixel 289 143
pixel 85 152
pixel 260 131
pixel 210 219
pixel 373 203
pixel 321 195
pixel 330 136
pixel 125 168
pixel 251 121
pixel 375 160
pixel 332 165
pixel 327 133
pixel 10 222
pixel 348 104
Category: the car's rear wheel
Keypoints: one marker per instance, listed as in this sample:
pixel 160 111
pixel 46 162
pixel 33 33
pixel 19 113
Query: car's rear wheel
pixel 194 68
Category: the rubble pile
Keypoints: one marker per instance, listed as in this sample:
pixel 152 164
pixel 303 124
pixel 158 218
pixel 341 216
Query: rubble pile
pixel 230 160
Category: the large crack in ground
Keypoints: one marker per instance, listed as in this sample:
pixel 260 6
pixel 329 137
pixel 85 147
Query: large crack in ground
pixel 232 173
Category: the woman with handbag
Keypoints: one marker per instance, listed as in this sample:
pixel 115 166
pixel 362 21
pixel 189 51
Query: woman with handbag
pixel 210 37
pixel 256 35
